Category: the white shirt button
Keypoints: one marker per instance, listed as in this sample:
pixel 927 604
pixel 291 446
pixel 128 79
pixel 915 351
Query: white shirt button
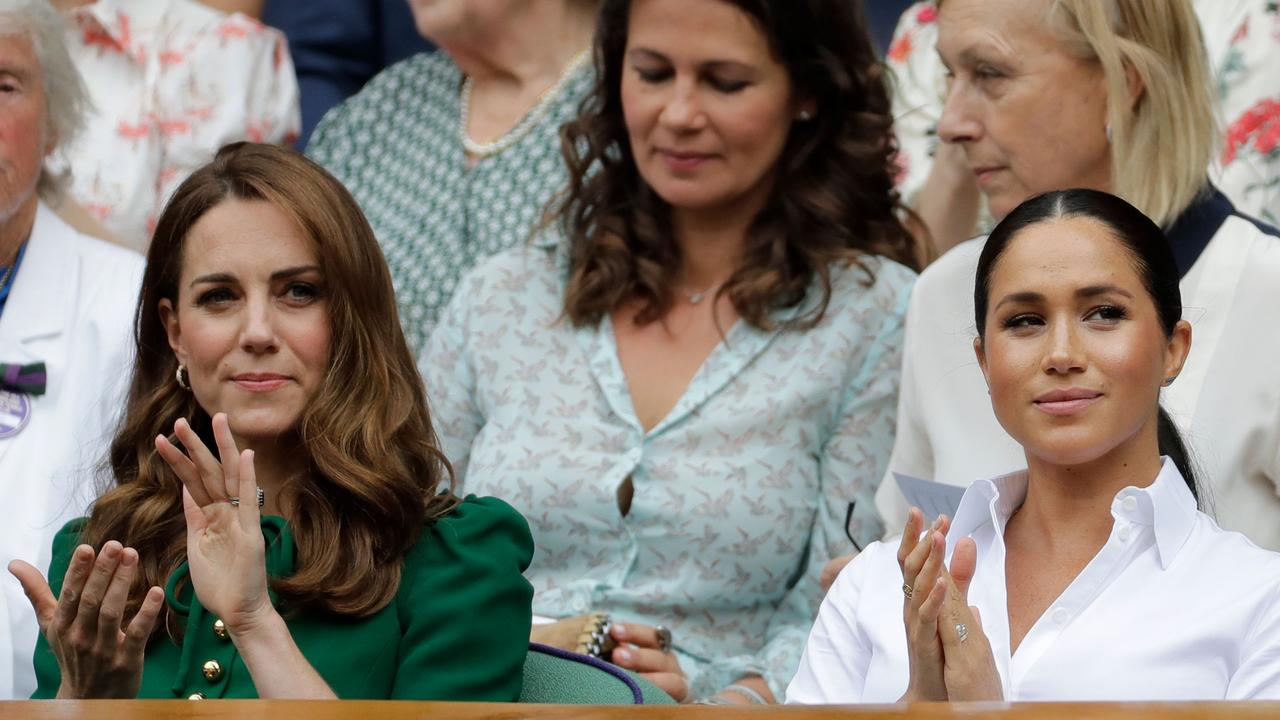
pixel 1125 532
pixel 1061 615
pixel 1129 503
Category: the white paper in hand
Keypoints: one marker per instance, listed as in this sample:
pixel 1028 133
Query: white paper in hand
pixel 933 498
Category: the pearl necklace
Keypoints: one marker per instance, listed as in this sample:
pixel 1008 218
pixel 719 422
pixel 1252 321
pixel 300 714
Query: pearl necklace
pixel 526 124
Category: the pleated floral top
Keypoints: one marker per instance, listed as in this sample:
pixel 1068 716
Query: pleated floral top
pixel 741 493
pixel 397 146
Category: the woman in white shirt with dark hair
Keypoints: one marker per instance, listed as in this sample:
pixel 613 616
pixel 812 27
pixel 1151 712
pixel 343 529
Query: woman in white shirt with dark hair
pixel 1092 575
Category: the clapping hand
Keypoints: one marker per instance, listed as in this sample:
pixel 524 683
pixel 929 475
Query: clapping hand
pixel 98 655
pixel 225 547
pixel 949 654
pixel 920 558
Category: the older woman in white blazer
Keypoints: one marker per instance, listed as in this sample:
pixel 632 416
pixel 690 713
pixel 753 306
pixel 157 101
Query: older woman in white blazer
pixel 66 309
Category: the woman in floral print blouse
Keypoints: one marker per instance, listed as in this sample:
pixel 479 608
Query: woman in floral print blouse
pixel 687 383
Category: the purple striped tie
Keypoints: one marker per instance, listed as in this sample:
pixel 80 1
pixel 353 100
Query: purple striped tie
pixel 30 378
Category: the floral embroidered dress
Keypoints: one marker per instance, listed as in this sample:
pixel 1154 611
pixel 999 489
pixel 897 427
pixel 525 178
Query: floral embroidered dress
pixel 741 493
pixel 171 81
pixel 1242 38
pixel 397 146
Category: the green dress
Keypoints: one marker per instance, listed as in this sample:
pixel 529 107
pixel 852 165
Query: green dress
pixel 458 628
pixel 397 146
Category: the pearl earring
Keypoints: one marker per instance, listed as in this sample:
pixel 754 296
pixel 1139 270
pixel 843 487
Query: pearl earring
pixel 805 115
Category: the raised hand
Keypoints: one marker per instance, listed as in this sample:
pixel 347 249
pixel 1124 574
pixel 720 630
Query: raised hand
pixel 921 560
pixel 98 655
pixel 640 650
pixel 225 547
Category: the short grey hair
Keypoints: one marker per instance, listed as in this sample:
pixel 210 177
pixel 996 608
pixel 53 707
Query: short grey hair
pixel 67 101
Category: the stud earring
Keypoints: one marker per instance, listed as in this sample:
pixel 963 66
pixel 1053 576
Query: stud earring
pixel 805 115
pixel 1107 129
pixel 182 382
pixel 1169 380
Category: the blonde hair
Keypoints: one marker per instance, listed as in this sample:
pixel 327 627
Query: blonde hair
pixel 1163 142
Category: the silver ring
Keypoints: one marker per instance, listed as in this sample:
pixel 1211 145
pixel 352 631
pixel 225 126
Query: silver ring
pixel 234 500
pixel 664 637
pixel 962 631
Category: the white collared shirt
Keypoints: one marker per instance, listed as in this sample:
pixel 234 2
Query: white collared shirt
pixel 1171 608
pixel 1226 400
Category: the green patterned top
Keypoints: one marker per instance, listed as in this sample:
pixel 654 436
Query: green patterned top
pixel 397 147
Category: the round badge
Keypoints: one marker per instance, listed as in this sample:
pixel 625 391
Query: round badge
pixel 15 413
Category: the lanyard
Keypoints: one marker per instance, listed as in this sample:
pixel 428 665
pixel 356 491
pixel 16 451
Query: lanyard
pixel 9 275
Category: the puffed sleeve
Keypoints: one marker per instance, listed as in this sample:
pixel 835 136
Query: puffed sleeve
pixel 447 371
pixel 48 676
pixel 851 464
pixel 464 606
pixel 833 668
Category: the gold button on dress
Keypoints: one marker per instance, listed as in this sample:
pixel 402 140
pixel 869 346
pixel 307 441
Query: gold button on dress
pixel 212 670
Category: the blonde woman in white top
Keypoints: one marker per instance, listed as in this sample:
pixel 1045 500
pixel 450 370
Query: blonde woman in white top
pixel 1091 575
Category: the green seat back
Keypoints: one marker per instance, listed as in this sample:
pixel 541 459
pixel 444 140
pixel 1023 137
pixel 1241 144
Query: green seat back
pixel 554 676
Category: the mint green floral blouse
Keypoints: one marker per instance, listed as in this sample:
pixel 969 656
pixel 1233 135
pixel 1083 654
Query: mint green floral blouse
pixel 397 146
pixel 741 493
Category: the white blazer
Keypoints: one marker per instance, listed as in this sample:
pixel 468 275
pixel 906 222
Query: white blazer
pixel 71 306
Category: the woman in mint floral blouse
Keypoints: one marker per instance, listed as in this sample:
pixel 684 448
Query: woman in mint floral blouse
pixel 687 384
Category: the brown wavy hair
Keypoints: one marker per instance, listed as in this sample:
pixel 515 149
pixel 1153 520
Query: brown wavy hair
pixel 833 202
pixel 375 472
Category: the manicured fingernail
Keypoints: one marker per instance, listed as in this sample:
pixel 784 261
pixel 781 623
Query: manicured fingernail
pixel 620 630
pixel 623 655
pixel 110 550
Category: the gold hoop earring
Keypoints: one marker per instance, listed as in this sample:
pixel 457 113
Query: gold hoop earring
pixel 182 382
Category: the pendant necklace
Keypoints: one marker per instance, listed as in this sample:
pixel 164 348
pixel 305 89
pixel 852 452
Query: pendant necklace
pixel 696 297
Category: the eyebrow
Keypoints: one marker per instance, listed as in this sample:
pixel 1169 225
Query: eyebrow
pixel 713 64
pixel 1083 293
pixel 19 72
pixel 285 274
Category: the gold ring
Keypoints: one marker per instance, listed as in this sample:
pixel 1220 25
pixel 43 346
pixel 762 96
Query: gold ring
pixel 908 590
